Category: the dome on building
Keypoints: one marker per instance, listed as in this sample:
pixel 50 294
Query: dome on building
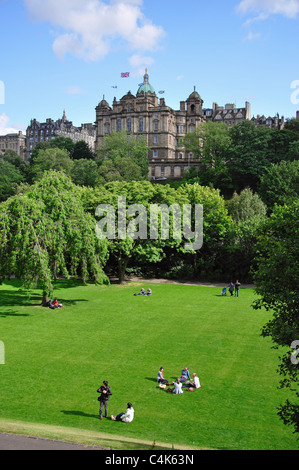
pixel 103 103
pixel 146 86
pixel 194 95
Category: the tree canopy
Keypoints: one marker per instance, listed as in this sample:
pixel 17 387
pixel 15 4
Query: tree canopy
pixel 276 280
pixel 45 233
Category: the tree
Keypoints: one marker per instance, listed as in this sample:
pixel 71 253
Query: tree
pixel 249 215
pixel 84 172
pixel 210 142
pixel 82 150
pixel 10 177
pixel 280 184
pixel 217 227
pixel 129 248
pixel 123 158
pixel 248 155
pixel 45 233
pixel 51 159
pixel 276 283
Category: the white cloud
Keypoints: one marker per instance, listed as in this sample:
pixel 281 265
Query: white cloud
pixel 288 8
pixel 139 63
pixel 88 29
pixel 6 127
pixel 251 36
pixel 74 90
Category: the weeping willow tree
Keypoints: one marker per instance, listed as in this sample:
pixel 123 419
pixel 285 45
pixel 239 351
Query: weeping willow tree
pixel 45 233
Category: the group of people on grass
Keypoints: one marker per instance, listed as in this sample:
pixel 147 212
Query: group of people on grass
pixel 142 292
pixel 127 417
pixel 53 303
pixel 105 394
pixel 183 381
pixel 232 288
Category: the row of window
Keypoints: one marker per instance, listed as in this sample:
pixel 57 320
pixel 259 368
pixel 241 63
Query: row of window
pixel 180 129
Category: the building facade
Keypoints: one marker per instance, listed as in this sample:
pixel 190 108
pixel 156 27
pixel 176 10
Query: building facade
pixel 229 114
pixel 15 141
pixel 162 127
pixel 275 122
pixel 44 132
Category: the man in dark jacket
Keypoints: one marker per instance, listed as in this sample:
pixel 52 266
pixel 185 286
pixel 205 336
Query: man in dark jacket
pixel 105 392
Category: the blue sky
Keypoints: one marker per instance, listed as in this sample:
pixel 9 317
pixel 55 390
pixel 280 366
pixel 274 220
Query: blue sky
pixel 58 54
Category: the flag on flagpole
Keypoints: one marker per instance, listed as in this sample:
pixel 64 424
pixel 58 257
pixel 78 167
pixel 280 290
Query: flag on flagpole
pixel 125 74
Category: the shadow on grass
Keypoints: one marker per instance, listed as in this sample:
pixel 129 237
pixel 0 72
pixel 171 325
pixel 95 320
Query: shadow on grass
pixel 79 413
pixel 21 298
pixel 11 313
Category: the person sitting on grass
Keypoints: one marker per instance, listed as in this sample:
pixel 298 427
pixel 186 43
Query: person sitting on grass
pixel 177 386
pixel 160 378
pixel 149 291
pixel 126 417
pixel 185 375
pixel 56 304
pixel 142 292
pixel 195 383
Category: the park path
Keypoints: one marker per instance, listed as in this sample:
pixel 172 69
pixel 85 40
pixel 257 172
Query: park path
pixel 185 283
pixel 10 441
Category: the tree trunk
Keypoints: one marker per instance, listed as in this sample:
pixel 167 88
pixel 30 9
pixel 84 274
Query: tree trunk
pixel 122 266
pixel 46 299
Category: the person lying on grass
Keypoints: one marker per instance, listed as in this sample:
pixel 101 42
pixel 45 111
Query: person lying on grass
pixel 126 417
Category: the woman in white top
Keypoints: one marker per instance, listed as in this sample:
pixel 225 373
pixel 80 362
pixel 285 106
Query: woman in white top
pixel 126 417
pixel 177 386
pixel 195 383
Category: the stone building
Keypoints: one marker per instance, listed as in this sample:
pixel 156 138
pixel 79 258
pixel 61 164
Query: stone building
pixel 15 141
pixel 229 114
pixel 44 132
pixel 275 122
pixel 162 127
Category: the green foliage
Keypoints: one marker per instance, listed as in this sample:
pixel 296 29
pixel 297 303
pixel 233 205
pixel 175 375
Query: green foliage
pixel 45 233
pixel 247 157
pixel 51 159
pixel 124 250
pixel 276 280
pixel 84 172
pixel 280 184
pixel 10 177
pixel 123 158
pixel 82 150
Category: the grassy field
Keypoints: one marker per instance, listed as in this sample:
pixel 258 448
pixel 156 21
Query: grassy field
pixel 56 359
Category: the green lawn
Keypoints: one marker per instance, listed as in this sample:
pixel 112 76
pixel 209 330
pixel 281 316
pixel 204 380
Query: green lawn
pixel 56 359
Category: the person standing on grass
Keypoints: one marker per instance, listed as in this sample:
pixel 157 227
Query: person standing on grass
pixel 231 289
pixel 237 287
pixel 106 393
